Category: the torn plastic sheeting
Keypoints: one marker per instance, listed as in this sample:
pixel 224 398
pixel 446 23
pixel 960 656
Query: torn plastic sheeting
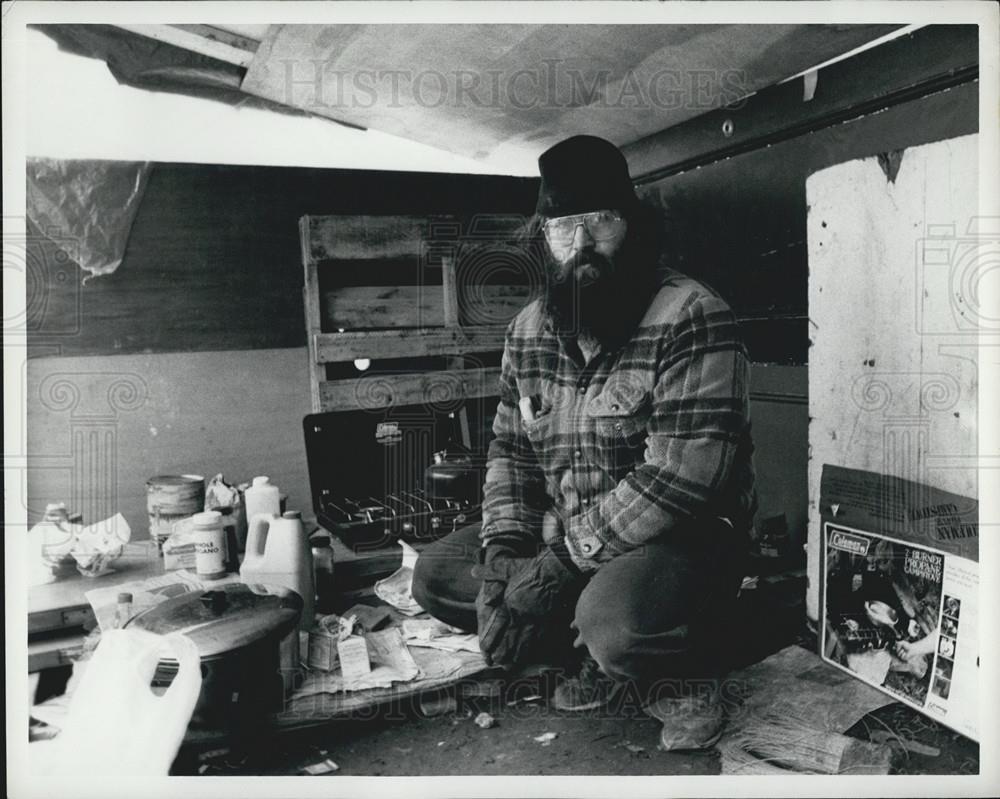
pixel 86 207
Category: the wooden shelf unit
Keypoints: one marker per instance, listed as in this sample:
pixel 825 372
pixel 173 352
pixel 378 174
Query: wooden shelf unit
pixel 437 314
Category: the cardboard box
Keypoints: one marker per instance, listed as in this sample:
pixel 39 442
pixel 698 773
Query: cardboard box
pixel 899 591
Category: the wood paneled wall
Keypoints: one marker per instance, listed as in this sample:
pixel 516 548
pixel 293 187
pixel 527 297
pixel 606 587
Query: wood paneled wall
pixel 213 260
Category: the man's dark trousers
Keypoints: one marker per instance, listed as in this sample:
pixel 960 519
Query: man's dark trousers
pixel 655 616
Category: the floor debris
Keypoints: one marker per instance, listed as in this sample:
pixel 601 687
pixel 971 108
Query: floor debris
pixel 485 720
pixel 212 754
pixel 885 737
pixel 783 739
pixel 323 767
pixel 524 699
pixel 546 738
pixel 438 706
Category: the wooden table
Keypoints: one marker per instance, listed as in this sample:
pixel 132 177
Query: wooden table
pixel 59 614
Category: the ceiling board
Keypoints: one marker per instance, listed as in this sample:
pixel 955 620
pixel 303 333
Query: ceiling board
pixel 479 90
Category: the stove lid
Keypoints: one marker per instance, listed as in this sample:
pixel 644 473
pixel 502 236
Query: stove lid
pixel 226 618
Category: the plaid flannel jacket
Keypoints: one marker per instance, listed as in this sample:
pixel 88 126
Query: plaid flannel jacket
pixel 631 444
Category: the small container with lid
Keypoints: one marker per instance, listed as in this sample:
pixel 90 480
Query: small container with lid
pixel 52 541
pixel 124 610
pixel 209 545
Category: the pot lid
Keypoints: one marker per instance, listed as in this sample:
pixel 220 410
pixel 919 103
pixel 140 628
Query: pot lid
pixel 225 618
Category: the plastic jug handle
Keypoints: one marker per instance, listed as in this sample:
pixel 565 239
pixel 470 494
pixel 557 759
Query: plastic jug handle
pixel 257 536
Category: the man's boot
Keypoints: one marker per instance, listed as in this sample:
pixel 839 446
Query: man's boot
pixel 589 688
pixel 689 722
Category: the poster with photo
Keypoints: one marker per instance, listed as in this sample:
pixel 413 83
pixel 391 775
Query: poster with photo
pixel 883 601
pixel 896 612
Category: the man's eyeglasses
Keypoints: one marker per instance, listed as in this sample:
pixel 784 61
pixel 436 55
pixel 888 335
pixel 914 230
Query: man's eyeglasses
pixel 601 225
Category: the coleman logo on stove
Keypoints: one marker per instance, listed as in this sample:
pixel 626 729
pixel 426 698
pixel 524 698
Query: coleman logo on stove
pixel 387 432
pixel 855 544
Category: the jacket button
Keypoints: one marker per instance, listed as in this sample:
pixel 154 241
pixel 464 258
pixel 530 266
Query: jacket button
pixel 584 501
pixel 615 407
pixel 577 453
pixel 587 548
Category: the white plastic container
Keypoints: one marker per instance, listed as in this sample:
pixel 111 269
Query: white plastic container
pixel 262 497
pixel 278 553
pixel 50 543
pixel 209 545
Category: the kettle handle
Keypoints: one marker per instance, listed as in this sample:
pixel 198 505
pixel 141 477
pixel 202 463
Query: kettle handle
pixel 260 524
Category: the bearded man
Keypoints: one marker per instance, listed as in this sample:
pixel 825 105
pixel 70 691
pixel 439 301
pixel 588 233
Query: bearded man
pixel 619 484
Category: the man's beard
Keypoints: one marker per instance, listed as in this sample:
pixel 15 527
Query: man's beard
pixel 605 307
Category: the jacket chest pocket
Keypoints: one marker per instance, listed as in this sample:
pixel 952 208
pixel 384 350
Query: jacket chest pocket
pixel 538 429
pixel 619 416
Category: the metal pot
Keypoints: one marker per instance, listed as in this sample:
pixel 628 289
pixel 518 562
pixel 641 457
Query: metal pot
pixel 248 641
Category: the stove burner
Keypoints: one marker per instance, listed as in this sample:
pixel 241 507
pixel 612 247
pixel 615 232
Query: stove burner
pixel 406 514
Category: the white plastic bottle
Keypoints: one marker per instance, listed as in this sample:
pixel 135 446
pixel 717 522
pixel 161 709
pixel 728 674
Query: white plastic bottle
pixel 262 497
pixel 50 543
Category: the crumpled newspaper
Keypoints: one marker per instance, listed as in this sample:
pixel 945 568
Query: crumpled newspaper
pixel 438 635
pixel 397 589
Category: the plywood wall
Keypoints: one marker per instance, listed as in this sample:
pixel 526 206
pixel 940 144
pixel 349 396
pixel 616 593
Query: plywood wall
pixel 99 427
pixel 894 249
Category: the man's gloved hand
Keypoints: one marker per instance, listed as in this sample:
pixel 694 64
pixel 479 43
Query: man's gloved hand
pixel 520 597
pixel 500 564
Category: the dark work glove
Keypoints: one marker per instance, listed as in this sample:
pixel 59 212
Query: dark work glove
pixel 547 589
pixel 519 598
pixel 499 566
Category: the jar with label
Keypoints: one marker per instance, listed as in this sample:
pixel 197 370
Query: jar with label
pixel 209 545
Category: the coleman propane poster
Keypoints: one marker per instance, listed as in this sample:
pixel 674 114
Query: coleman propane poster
pixel 899 612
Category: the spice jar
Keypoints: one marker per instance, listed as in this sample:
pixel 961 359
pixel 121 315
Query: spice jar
pixel 209 545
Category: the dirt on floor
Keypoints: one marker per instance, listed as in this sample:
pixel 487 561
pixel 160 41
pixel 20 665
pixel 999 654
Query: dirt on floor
pixel 530 738
pixel 525 739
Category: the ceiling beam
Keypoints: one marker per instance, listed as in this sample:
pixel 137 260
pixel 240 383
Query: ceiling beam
pixel 194 42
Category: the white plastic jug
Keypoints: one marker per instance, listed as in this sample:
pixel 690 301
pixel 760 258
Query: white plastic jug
pixel 278 553
pixel 262 497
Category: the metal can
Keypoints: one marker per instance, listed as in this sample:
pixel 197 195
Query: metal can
pixel 170 498
pixel 209 545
